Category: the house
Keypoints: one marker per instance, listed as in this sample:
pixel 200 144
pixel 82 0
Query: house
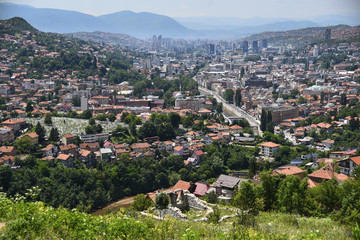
pixel 290 170
pixel 119 152
pixel 347 165
pixel 50 150
pixel 140 147
pixel 6 135
pixel 336 155
pixel 68 149
pixel 197 155
pixel 328 143
pixel 15 124
pixel 236 129
pixel 269 148
pixel 87 157
pixel 201 189
pixel 66 160
pixel 166 145
pixel 67 139
pixel 33 137
pixel 207 140
pixel 8 150
pixel 191 135
pixel 106 154
pixel 92 147
pixel 7 160
pixel 224 187
pixel 325 173
pixel 181 185
pixel 325 126
pixel 179 150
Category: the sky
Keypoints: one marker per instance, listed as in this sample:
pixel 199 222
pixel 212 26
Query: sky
pixel 199 8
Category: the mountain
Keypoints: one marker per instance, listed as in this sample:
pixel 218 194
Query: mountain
pixel 142 25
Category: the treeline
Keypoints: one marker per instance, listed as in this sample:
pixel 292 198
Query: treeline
pixel 291 194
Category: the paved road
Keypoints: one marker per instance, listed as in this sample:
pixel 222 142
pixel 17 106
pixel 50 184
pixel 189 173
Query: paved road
pixel 234 109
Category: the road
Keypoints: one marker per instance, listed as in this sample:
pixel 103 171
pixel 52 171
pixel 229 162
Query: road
pixel 234 109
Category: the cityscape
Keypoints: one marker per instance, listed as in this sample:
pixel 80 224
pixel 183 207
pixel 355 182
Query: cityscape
pixel 139 125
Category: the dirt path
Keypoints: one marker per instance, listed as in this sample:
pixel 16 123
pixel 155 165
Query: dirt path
pixel 2 225
pixel 124 202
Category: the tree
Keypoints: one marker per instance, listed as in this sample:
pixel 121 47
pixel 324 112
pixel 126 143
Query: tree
pixel 54 135
pixel 322 97
pixel 174 119
pixel 229 95
pixel 148 129
pixel 48 120
pixel 77 140
pixel 40 130
pixel 29 107
pixel 141 202
pixel 343 99
pixel 291 194
pixel 132 127
pixel 161 202
pixel 263 120
pixel 92 121
pixel 238 97
pixel 252 167
pixel 87 114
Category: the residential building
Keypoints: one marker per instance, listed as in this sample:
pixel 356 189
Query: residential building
pixel 347 165
pixel 269 148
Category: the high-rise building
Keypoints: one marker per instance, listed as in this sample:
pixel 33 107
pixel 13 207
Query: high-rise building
pixel 210 48
pixel 245 46
pixel 328 34
pixel 255 47
pixel 84 103
pixel 282 50
pixel 316 51
pixel 264 43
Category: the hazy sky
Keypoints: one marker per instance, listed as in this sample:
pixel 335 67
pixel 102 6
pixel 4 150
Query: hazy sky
pixel 221 8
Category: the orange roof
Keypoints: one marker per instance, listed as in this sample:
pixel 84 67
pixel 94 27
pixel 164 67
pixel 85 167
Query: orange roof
pixel 32 135
pixel 290 170
pixel 63 157
pixel 181 185
pixel 356 160
pixel 270 144
pixel 178 148
pixel 68 135
pixel 6 149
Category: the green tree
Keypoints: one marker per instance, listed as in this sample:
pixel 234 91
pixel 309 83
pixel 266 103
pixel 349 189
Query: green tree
pixel 229 95
pixel 161 202
pixel 40 130
pixel 29 107
pixel 263 120
pixel 141 202
pixel 291 194
pixel 175 119
pixel 54 135
pixel 238 97
pixel 92 121
pixel 48 120
pixel 343 99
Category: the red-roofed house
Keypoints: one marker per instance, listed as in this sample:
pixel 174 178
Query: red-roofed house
pixel 269 148
pixel 33 137
pixel 290 170
pixel 66 160
pixel 347 165
pixel 326 173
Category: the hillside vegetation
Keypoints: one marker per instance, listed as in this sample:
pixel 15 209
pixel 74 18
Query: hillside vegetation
pixel 34 220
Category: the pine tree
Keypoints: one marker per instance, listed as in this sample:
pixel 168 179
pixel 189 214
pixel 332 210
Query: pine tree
pixel 343 99
pixel 54 135
pixel 263 120
pixel 238 97
pixel 48 120
pixel 40 130
pixel 29 107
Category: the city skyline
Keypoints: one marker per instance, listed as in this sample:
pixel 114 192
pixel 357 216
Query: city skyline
pixel 208 8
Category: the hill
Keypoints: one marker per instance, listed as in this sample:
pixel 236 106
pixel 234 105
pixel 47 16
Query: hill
pixel 306 35
pixel 15 25
pixel 109 38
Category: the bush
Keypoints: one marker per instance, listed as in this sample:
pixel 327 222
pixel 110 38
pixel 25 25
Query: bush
pixel 141 202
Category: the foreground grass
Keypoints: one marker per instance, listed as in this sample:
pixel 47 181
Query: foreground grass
pixel 34 220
